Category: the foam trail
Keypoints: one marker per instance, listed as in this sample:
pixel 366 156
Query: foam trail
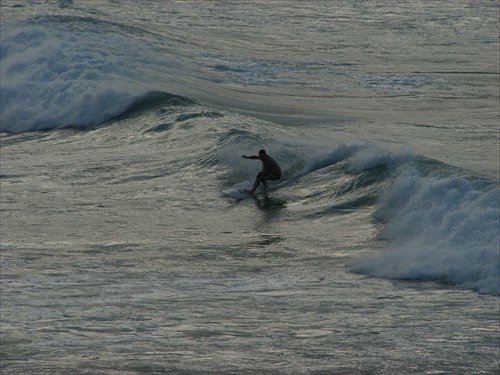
pixel 439 228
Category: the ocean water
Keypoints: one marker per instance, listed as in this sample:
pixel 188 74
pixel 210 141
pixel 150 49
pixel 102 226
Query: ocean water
pixel 122 122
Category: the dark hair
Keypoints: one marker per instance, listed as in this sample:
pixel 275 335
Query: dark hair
pixel 262 152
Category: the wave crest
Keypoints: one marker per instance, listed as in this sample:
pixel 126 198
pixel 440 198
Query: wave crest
pixel 438 228
pixel 61 72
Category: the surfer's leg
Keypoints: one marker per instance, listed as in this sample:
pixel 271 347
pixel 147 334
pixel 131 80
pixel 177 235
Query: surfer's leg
pixel 268 177
pixel 255 185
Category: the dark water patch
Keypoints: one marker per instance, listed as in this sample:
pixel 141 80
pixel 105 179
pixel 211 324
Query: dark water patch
pixel 193 116
pixel 227 68
pixel 8 176
pixel 65 3
pixel 264 201
pixel 161 128
pixel 156 100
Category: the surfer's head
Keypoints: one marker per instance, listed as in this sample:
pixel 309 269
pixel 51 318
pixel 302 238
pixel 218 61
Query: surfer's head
pixel 262 152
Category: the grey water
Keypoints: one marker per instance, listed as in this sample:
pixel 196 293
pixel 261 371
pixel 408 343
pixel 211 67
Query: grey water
pixel 123 122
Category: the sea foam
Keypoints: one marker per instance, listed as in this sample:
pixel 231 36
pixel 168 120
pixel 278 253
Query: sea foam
pixel 65 71
pixel 439 228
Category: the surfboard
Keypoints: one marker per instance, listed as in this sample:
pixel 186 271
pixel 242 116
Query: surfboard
pixel 237 193
pixel 260 197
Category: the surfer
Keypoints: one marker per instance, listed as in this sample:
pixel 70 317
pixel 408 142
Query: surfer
pixel 270 170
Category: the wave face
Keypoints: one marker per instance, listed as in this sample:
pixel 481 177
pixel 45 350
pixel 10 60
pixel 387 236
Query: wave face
pixel 437 222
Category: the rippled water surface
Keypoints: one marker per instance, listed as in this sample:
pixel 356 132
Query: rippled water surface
pixel 123 122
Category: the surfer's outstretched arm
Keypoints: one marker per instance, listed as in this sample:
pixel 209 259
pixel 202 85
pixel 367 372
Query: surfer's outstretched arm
pixel 250 157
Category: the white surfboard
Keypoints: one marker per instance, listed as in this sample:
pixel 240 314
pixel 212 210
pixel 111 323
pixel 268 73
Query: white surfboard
pixel 237 193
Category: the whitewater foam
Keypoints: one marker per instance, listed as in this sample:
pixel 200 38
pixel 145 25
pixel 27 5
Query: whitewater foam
pixel 438 228
pixel 58 74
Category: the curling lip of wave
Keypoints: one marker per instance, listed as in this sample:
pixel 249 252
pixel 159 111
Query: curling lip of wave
pixel 123 105
pixel 59 72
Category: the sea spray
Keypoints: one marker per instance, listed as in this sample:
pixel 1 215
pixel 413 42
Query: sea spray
pixel 438 228
pixel 61 72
